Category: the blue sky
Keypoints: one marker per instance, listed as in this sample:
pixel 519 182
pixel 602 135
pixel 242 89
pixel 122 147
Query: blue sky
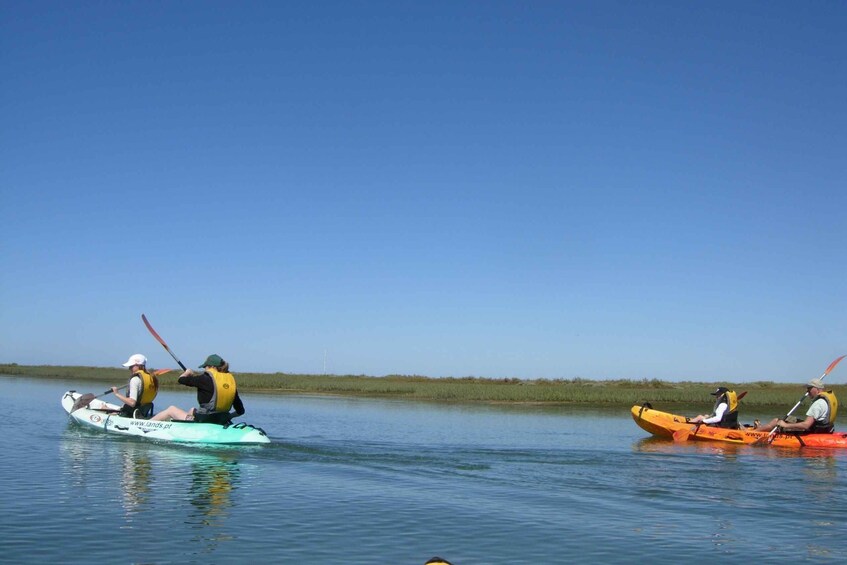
pixel 500 189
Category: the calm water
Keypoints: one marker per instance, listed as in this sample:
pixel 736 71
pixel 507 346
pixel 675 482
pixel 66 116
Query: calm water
pixel 383 482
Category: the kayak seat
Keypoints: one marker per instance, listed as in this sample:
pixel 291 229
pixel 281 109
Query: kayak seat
pixel 143 412
pixel 222 418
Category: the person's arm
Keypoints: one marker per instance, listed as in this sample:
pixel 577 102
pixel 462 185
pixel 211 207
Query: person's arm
pixel 718 414
pixel 238 405
pixel 189 378
pixel 816 411
pixel 134 389
pixel 798 427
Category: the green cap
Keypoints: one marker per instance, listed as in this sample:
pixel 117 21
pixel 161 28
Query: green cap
pixel 212 361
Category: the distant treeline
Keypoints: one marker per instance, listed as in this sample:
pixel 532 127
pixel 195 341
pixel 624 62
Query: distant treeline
pixel 465 389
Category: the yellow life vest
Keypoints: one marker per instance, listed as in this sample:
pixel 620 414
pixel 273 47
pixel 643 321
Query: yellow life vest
pixel 149 388
pixel 732 400
pixel 224 394
pixel 830 399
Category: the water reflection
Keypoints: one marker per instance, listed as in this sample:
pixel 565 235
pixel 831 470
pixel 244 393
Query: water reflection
pixel 213 479
pixel 667 446
pixel 75 454
pixel 196 483
pixel 743 480
pixel 661 445
pixel 136 475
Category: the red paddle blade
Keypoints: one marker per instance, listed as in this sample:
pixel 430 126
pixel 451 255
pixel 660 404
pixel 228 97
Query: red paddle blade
pixel 160 340
pixel 152 331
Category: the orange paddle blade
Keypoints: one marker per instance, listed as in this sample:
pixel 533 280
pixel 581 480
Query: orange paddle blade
pixel 681 435
pixel 832 365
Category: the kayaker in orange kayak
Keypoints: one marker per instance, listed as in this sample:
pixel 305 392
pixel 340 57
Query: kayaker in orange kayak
pixel 725 412
pixel 820 417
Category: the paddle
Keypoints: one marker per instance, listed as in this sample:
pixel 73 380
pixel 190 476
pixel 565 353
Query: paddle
pixel 162 341
pixel 686 434
pixel 86 399
pixel 769 438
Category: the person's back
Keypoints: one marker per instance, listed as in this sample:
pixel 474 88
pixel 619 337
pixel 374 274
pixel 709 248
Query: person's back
pixel 217 392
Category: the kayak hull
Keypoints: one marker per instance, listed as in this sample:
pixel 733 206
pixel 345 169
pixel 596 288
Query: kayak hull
pixel 664 424
pixel 98 415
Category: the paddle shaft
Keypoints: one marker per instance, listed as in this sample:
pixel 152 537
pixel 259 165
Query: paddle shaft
pixel 162 341
pixel 87 401
pixel 110 391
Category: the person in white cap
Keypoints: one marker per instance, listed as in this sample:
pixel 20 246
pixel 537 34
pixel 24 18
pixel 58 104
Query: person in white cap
pixel 820 417
pixel 143 388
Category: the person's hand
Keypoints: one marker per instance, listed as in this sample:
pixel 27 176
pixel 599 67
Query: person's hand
pixel 187 373
pixel 114 390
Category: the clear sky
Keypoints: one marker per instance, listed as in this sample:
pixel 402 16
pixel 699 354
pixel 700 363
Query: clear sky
pixel 538 189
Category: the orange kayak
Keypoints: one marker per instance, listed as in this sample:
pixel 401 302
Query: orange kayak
pixel 664 424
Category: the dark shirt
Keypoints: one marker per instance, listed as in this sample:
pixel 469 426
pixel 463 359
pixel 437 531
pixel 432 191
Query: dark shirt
pixel 205 386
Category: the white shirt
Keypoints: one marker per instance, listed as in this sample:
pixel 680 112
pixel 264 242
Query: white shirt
pixel 718 414
pixel 819 410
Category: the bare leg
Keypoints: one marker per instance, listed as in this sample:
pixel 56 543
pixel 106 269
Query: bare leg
pixel 171 413
pixel 768 427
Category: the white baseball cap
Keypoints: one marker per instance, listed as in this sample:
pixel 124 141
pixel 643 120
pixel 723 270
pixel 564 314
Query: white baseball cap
pixel 137 359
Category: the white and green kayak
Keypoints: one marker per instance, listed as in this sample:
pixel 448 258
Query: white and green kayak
pixel 100 415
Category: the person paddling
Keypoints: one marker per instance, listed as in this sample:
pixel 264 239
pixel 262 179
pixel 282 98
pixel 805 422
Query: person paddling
pixel 217 394
pixel 143 388
pixel 820 417
pixel 725 412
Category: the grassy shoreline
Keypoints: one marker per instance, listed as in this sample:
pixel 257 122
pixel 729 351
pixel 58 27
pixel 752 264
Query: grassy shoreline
pixel 468 389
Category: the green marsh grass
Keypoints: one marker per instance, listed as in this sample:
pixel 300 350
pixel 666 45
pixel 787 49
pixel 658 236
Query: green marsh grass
pixel 467 389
